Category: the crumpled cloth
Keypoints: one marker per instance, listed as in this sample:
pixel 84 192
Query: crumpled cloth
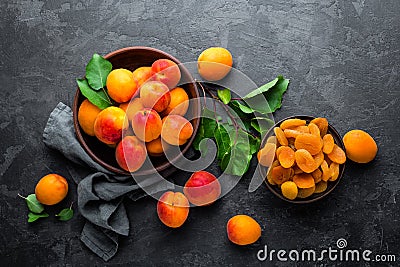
pixel 101 194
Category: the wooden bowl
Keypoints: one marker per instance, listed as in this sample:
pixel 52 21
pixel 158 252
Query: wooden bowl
pixel 131 58
pixel 331 185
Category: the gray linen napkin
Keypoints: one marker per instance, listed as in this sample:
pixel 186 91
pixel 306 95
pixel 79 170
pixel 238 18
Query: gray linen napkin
pixel 100 194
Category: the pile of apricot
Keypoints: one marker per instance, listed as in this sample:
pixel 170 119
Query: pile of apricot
pixel 302 157
pixel 148 115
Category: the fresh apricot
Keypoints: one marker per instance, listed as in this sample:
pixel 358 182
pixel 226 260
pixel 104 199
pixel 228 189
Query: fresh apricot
pixel 87 115
pixel 155 95
pixel 120 85
pixel 109 125
pixel 147 124
pixel 131 107
pixel 167 72
pixel 360 146
pixel 51 189
pixel 202 188
pixel 156 147
pixel 130 153
pixel 214 63
pixel 173 209
pixel 142 75
pixel 176 130
pixel 243 230
pixel 179 102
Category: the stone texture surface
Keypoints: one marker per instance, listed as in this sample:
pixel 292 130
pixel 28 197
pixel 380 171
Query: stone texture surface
pixel 343 61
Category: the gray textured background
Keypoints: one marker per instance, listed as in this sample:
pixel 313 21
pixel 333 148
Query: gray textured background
pixel 343 61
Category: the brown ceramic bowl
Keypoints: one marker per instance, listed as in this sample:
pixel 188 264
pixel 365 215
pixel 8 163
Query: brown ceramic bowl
pixel 331 185
pixel 131 58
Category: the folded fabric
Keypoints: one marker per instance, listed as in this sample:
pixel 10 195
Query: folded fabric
pixel 100 194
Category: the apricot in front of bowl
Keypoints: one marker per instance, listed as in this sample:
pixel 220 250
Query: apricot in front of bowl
pixel 121 86
pixel 130 153
pixel 87 115
pixel 202 188
pixel 109 125
pixel 173 209
pixel 176 130
pixel 243 230
pixel 214 63
pixel 147 124
pixel 155 95
pixel 51 189
pixel 360 146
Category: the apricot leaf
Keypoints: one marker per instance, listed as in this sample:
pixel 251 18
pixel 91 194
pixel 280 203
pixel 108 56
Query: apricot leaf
pixel 33 204
pixel 224 95
pixel 65 214
pixel 34 216
pixel 97 98
pixel 206 128
pixel 223 140
pixel 97 71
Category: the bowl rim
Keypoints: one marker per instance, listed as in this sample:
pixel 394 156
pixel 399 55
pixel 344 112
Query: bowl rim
pixel 307 200
pixel 168 163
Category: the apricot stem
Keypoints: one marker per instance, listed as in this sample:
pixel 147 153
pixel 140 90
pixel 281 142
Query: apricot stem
pixel 21 196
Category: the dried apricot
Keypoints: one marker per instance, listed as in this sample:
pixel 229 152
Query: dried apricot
pixel 266 155
pixel 289 190
pixel 317 175
pixel 322 124
pixel 326 171
pixel 280 136
pixel 280 175
pixel 309 142
pixel 329 143
pixel 319 158
pixel 305 161
pixel 334 168
pixel 269 172
pixel 305 192
pixel 337 155
pixel 290 123
pixel 304 180
pixel 297 169
pixel 314 129
pixel 285 156
pixel 294 132
pixel 272 139
pixel 321 187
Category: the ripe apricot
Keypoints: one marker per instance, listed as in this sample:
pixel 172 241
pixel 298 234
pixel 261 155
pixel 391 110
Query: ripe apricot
pixel 289 190
pixel 243 230
pixel 214 63
pixel 176 130
pixel 147 124
pixel 173 209
pixel 131 107
pixel 329 143
pixel 109 125
pixel 155 95
pixel 337 155
pixel 309 142
pixel 305 161
pixel 87 114
pixel 322 124
pixel 292 123
pixel 156 147
pixel 280 175
pixel 179 102
pixel 167 72
pixel 280 136
pixel 51 189
pixel 360 146
pixel 286 156
pixel 120 85
pixel 130 153
pixel 202 188
pixel 142 75
pixel 303 180
pixel 321 187
pixel 266 155
pixel 305 192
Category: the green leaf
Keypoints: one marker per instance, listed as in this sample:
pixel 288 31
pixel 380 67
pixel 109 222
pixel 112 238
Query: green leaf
pixel 206 128
pixel 222 139
pixel 34 216
pixel 33 204
pixel 65 214
pixel 224 95
pixel 98 98
pixel 262 89
pixel 270 100
pixel 261 124
pixel 243 107
pixel 237 161
pixel 97 71
pixel 254 144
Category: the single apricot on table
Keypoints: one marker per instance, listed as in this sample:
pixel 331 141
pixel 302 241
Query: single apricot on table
pixel 360 146
pixel 51 189
pixel 87 115
pixel 173 209
pixel 214 63
pixel 243 230
pixel 120 85
pixel 202 188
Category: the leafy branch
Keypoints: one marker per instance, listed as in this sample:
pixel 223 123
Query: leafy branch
pixel 238 137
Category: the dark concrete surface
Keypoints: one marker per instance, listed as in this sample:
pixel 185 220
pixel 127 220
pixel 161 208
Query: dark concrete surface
pixel 343 61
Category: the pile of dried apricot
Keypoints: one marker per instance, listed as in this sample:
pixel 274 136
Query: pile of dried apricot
pixel 302 158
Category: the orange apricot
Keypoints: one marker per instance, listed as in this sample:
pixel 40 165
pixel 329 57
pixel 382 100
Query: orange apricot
pixel 309 142
pixel 305 161
pixel 326 171
pixel 360 146
pixel 303 180
pixel 131 107
pixel 176 130
pixel 87 114
pixel 147 124
pixel 314 129
pixel 337 155
pixel 266 155
pixel 334 168
pixel 179 102
pixel 329 143
pixel 291 123
pixel 280 136
pixel 280 175
pixel 269 172
pixel 286 156
pixel 317 175
pixel 322 124
pixel 319 158
pixel 121 86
